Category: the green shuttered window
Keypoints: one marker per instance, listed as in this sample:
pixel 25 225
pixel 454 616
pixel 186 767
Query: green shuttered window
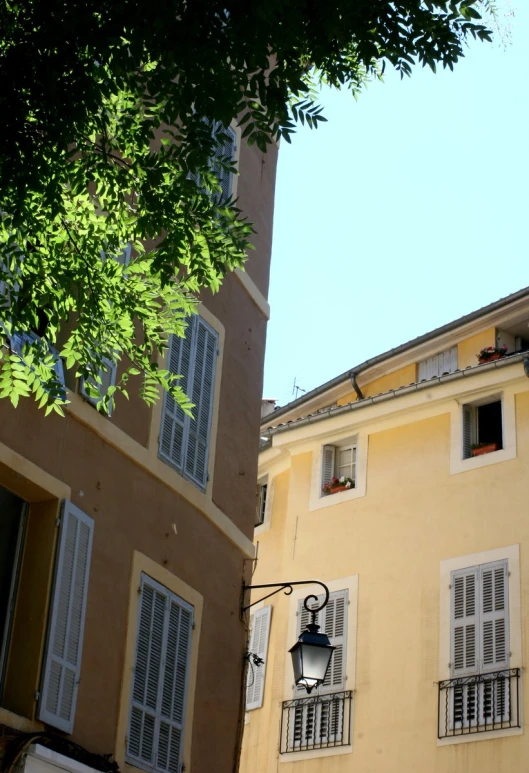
pixel 159 688
pixel 62 662
pixel 184 442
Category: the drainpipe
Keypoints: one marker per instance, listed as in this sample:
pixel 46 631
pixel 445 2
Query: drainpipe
pixel 352 376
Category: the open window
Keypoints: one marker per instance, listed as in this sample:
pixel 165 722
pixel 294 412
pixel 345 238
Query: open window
pixel 338 467
pixel 260 507
pixel 482 427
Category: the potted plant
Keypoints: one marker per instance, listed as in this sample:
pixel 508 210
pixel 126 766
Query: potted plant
pixel 338 484
pixel 478 449
pixel 490 353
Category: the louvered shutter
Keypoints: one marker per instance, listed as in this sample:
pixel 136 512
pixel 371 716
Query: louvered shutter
pixel 159 688
pixel 203 378
pixel 327 464
pixel 332 620
pixel 464 621
pixel 225 149
pixel 107 374
pixel 255 681
pixel 494 616
pixel 62 662
pixel 174 420
pixel 468 431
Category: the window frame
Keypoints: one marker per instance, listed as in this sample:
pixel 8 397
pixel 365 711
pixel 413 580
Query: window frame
pixel 511 555
pixel 318 500
pixel 169 596
pixel 458 464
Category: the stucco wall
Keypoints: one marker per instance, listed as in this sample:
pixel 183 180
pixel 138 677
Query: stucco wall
pixel 414 515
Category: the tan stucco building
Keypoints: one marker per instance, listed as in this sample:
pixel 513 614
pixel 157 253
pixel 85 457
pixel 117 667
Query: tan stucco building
pixel 424 546
pixel 124 541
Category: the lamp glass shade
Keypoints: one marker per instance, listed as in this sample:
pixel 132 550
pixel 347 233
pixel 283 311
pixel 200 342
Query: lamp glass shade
pixel 311 656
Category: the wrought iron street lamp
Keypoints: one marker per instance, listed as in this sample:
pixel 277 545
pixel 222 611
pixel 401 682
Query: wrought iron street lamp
pixel 311 654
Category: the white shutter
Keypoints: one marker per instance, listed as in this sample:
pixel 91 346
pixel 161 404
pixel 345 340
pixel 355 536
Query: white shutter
pixel 159 689
pixel 494 616
pixel 174 420
pixel 445 362
pixel 62 662
pixel 464 655
pixel 203 380
pixel 468 430
pixel 327 464
pixel 255 681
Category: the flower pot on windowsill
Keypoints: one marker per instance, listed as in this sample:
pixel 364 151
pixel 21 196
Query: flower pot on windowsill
pixel 492 357
pixel 336 489
pixel 485 449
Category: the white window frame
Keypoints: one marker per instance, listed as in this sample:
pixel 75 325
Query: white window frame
pixel 320 500
pixel 457 463
pixel 511 554
pixel 350 584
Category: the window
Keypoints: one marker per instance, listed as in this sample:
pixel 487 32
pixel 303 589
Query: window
pixel 184 441
pixel 19 340
pixel 480 692
pixel 225 148
pixel 339 462
pixel 260 510
pixel 318 723
pixel 159 689
pixel 445 362
pixel 482 427
pixel 61 664
pixel 258 645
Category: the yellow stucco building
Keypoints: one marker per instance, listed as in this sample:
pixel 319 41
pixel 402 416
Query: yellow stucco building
pixel 426 555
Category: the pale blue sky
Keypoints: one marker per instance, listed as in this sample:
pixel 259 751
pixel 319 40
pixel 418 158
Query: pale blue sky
pixel 408 209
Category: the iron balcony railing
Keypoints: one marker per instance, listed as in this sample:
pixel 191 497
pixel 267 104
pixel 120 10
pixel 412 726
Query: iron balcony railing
pixel 316 722
pixel 479 704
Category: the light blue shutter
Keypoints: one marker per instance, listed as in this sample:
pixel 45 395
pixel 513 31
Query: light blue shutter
pixel 464 654
pixel 159 689
pixel 62 663
pixel 494 616
pixel 255 680
pixel 203 369
pixel 174 420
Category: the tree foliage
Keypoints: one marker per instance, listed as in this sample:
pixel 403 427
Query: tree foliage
pixel 107 108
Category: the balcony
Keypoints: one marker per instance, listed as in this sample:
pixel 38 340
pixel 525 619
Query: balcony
pixel 316 722
pixel 479 704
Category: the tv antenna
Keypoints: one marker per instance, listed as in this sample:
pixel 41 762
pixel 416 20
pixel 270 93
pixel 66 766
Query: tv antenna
pixel 297 389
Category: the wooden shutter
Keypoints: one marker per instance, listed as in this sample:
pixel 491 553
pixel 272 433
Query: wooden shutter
pixel 327 464
pixel 494 616
pixel 62 662
pixel 464 621
pixel 203 379
pixel 468 430
pixel 159 689
pixel 255 681
pixel 445 362
pixel 174 420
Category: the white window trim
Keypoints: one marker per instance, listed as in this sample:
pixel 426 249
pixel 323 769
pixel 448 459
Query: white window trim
pixel 510 553
pixel 345 583
pixel 457 463
pixel 317 500
pixel 265 525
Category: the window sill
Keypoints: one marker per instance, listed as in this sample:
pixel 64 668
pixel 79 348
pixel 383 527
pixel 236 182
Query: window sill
pixel 488 736
pixel 327 500
pixel 484 460
pixel 17 722
pixel 314 754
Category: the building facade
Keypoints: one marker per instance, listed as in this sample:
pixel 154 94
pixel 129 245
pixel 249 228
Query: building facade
pixel 124 541
pixel 423 544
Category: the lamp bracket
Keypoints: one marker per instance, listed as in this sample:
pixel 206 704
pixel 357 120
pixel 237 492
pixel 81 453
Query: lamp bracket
pixel 287 587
